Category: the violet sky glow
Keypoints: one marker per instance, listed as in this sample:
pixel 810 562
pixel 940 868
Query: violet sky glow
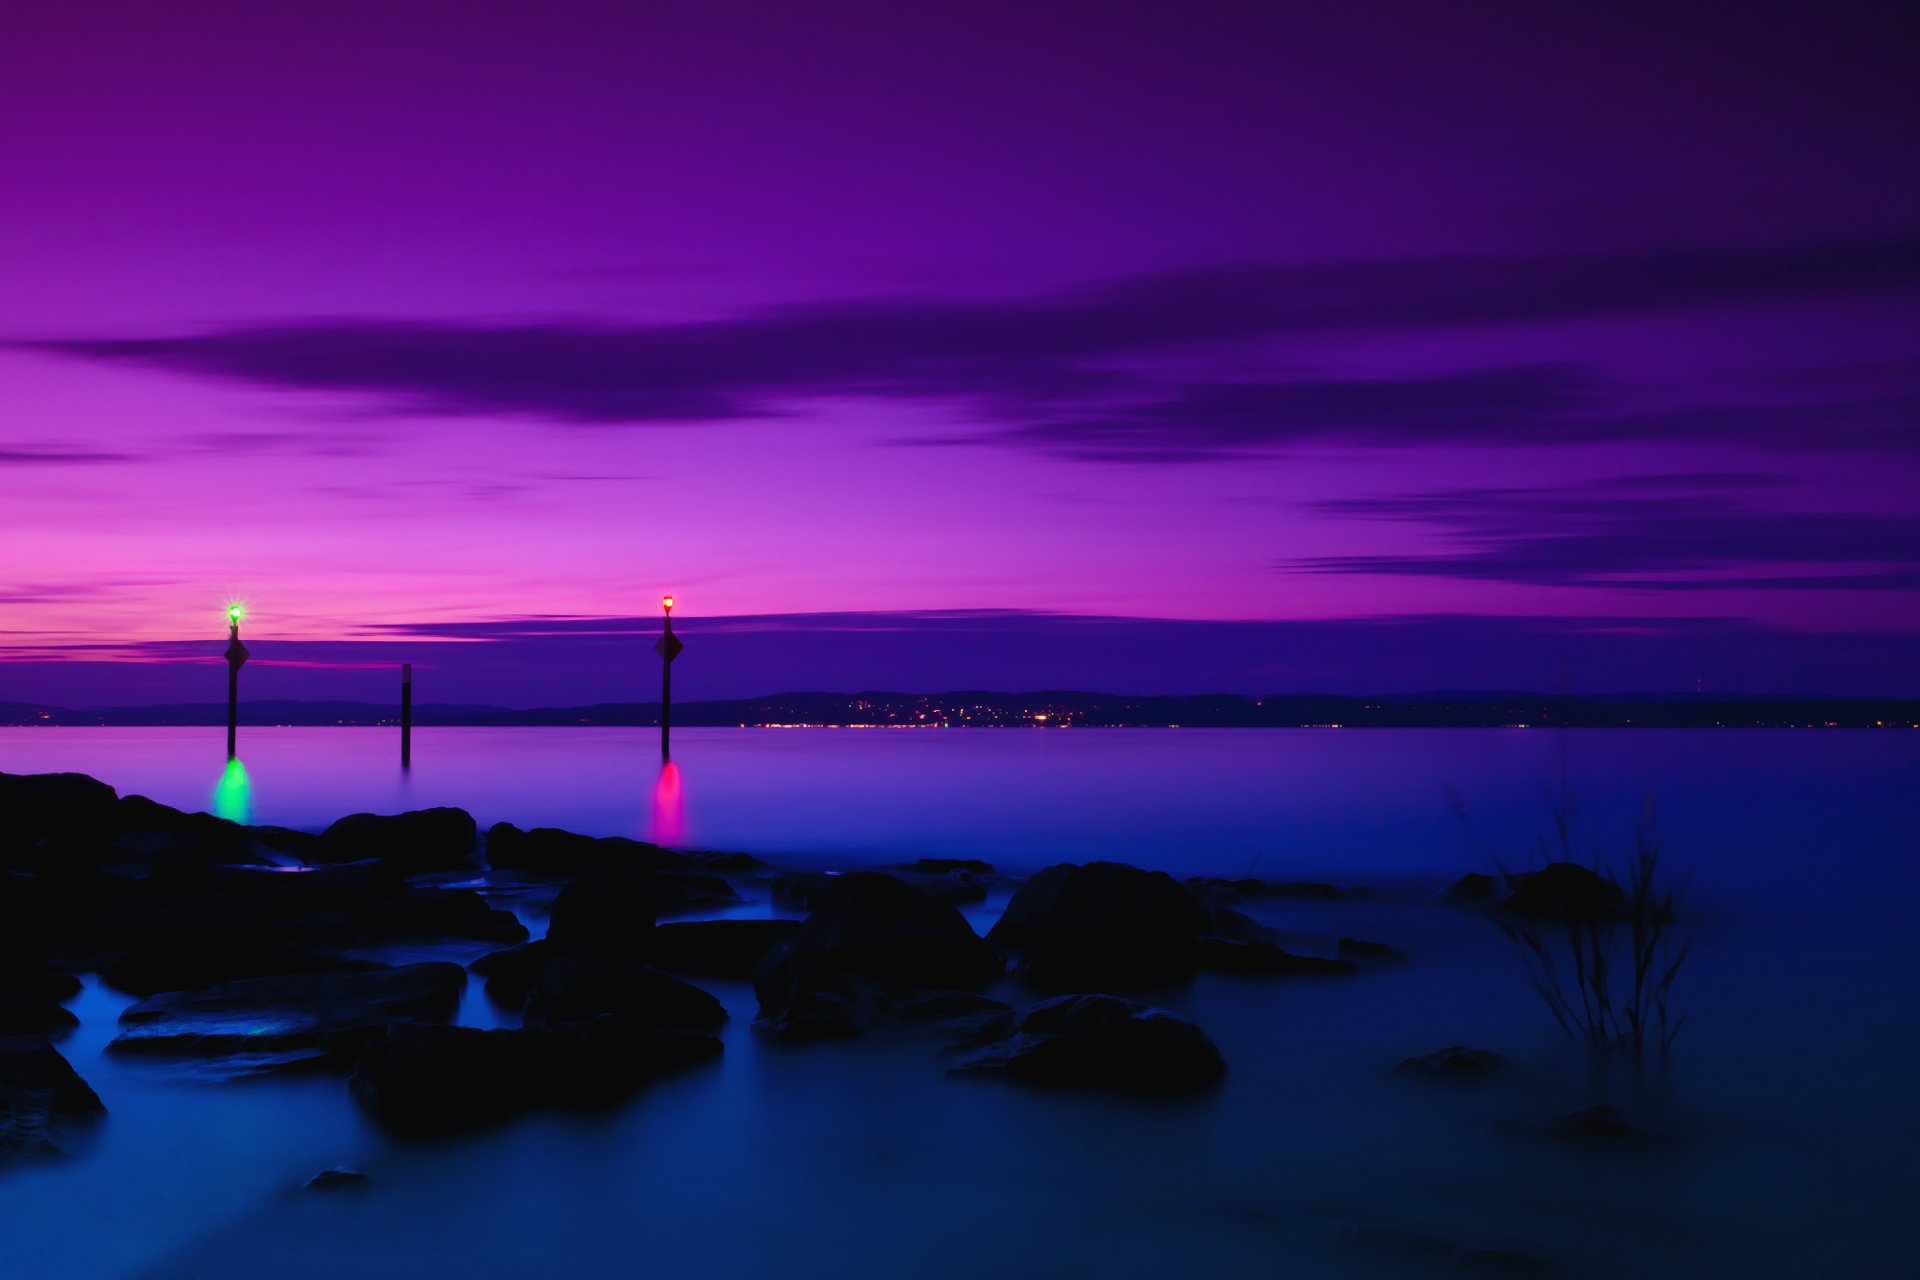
pixel 1539 338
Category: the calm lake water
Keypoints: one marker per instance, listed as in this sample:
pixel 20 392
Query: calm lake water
pixel 1789 1112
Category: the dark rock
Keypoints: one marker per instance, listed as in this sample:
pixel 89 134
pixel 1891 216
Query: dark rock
pixel 304 845
pixel 41 1098
pixel 716 948
pixel 1258 956
pixel 293 1017
pixel 575 989
pixel 1455 1062
pixel 1360 951
pixel 551 851
pixel 338 1179
pixel 154 834
pixel 76 813
pixel 1100 925
pixel 423 1078
pixel 510 974
pixel 948 866
pixel 30 1004
pixel 871 941
pixel 1097 1041
pixel 22 1017
pixel 441 839
pixel 798 890
pixel 154 969
pixel 1566 891
pixel 723 863
pixel 610 910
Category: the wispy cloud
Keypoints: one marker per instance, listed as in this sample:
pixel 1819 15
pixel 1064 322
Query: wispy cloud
pixel 1655 533
pixel 60 455
pixel 1136 369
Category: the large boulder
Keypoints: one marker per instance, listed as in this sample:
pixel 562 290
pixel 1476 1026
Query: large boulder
pixel 511 973
pixel 41 1098
pixel 289 1019
pixel 551 851
pixel 716 948
pixel 75 813
pixel 1103 924
pixel 610 910
pixel 1098 1041
pixel 871 943
pixel 576 989
pixel 441 839
pixel 438 1079
pixel 1566 891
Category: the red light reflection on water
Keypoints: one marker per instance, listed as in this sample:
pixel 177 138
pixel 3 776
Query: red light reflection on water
pixel 669 807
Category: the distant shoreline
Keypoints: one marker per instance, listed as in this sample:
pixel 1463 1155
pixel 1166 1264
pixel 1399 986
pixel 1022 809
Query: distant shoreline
pixel 968 709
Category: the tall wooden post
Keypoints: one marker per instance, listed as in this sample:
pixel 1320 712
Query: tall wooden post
pixel 668 647
pixel 406 715
pixel 236 658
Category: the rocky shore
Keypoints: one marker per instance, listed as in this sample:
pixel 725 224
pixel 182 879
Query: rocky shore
pixel 257 950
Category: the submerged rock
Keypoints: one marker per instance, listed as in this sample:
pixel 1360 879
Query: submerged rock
pixel 440 1079
pixel 443 839
pixel 1360 951
pixel 338 1178
pixel 1455 1062
pixel 1100 925
pixel 871 942
pixel 1096 1041
pixel 1601 1123
pixel 1258 956
pixel 41 1098
pixel 291 1018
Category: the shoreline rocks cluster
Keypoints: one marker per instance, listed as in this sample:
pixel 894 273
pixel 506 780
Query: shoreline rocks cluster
pixel 256 949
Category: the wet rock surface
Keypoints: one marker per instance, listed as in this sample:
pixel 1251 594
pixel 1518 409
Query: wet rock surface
pixel 1095 1041
pixel 440 1079
pixel 43 1101
pixel 285 1020
pixel 442 839
pixel 871 942
pixel 1100 925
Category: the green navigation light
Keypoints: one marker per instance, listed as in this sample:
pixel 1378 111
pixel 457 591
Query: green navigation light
pixel 234 611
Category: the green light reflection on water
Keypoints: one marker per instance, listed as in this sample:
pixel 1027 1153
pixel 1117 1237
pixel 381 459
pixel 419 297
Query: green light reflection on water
pixel 233 794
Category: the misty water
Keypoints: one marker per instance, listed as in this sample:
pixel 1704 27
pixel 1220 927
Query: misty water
pixel 1787 1113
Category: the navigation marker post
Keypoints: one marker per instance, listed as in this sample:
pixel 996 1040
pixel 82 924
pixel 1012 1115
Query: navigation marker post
pixel 668 646
pixel 406 715
pixel 236 658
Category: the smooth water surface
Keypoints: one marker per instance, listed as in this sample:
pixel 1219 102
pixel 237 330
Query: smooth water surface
pixel 1790 1117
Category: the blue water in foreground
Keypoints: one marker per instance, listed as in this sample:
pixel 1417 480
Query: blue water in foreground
pixel 1790 1113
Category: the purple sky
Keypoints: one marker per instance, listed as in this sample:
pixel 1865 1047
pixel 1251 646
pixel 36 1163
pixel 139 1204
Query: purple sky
pixel 1406 345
